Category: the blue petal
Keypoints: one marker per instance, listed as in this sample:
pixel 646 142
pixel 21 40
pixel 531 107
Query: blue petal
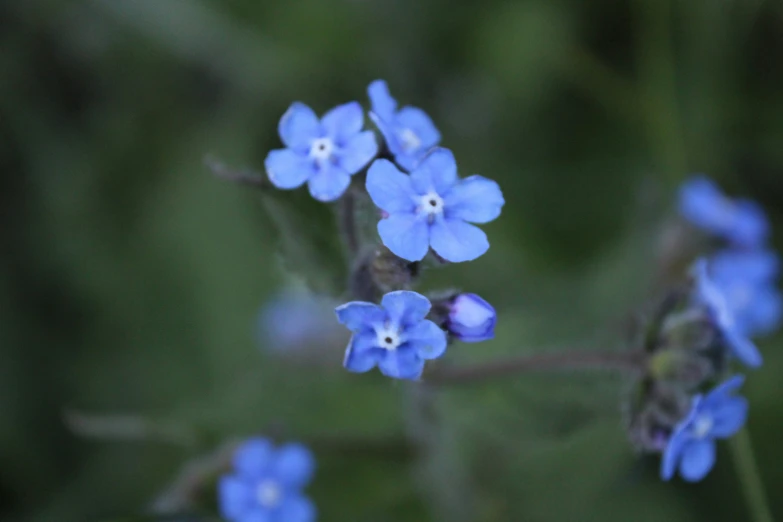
pixel 388 133
pixel 358 315
pixel 383 105
pixel 357 152
pixel 390 189
pixel 298 127
pixel 743 349
pixel 235 497
pixel 698 458
pixel 721 393
pixel 253 458
pixel 427 339
pixel 296 508
pixel 294 465
pixel 729 416
pixel 753 265
pixel 362 353
pixel 703 204
pixel 475 199
pixel 406 307
pixel 287 170
pixel 672 454
pixel 406 235
pixel 343 122
pixel 437 172
pixel 328 183
pixel 457 241
pixel 750 226
pixel 258 514
pixel 766 313
pixel 417 121
pixel 472 319
pixel 401 364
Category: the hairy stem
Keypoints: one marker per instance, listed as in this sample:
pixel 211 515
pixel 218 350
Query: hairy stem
pixel 749 477
pixel 242 177
pixel 632 362
pixel 348 221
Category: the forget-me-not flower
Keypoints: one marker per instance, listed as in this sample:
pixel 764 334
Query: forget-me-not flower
pixel 395 336
pixel 740 221
pixel 409 132
pixel 691 447
pixel 471 319
pixel 716 303
pixel 324 153
pixel 432 207
pixel 267 483
pixel 295 318
pixel 747 279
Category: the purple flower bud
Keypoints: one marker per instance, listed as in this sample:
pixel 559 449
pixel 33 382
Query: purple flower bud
pixel 471 319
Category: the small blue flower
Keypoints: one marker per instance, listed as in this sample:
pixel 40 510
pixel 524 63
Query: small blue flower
pixel 295 318
pixel 747 279
pixel 324 153
pixel 431 207
pixel 691 447
pixel 721 314
pixel 741 221
pixel 394 336
pixel 267 483
pixel 471 319
pixel 409 132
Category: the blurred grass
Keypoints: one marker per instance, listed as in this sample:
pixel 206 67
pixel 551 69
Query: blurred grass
pixel 131 279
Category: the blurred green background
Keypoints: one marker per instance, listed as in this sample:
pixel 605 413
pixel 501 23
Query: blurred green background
pixel 131 279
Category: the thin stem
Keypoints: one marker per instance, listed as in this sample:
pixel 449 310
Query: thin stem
pixel 242 177
pixel 348 221
pixel 749 477
pixel 632 362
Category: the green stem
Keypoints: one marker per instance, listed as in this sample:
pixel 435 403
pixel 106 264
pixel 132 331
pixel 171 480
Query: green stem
pixel 749 477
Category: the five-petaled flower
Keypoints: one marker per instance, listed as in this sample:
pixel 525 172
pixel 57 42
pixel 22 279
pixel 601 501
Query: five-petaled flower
pixel 409 132
pixel 324 153
pixel 471 319
pixel 267 484
pixel 431 207
pixel 691 447
pixel 711 296
pixel 740 221
pixel 395 336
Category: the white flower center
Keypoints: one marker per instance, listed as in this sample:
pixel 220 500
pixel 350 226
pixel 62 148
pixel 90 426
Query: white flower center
pixel 388 338
pixel 321 149
pixel 702 426
pixel 409 140
pixel 268 493
pixel 431 204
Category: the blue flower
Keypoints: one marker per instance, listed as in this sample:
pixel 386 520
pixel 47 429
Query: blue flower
pixel 471 319
pixel 409 132
pixel 741 221
pixel 324 153
pixel 431 207
pixel 691 447
pixel 295 318
pixel 394 336
pixel 267 483
pixel 712 297
pixel 747 279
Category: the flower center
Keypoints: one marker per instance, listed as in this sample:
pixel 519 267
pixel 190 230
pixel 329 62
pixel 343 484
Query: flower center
pixel 321 149
pixel 431 204
pixel 409 140
pixel 268 493
pixel 702 426
pixel 388 338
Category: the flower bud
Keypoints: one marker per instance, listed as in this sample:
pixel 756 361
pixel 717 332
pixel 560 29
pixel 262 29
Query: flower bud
pixel 471 319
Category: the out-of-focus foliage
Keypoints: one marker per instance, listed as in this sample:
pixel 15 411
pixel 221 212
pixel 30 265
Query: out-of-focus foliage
pixel 131 279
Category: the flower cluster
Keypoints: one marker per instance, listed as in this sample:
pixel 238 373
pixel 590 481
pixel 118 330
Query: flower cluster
pixel 424 206
pixel 735 296
pixel 266 484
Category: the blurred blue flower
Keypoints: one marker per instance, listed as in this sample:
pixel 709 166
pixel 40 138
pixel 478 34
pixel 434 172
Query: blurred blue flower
pixel 395 336
pixel 721 313
pixel 324 153
pixel 409 132
pixel 267 482
pixel 740 221
pixel 431 207
pixel 691 447
pixel 747 279
pixel 295 318
pixel 471 319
